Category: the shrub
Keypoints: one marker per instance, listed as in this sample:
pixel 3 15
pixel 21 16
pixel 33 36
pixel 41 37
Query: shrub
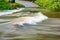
pixel 53 5
pixel 17 5
pixel 5 5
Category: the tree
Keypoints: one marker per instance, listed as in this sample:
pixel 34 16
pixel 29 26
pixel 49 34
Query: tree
pixel 12 1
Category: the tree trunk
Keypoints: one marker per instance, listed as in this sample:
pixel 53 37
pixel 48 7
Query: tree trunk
pixel 12 1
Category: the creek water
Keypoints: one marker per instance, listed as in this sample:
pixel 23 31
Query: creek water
pixel 46 30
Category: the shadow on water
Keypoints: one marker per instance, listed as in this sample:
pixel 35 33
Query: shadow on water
pixel 46 30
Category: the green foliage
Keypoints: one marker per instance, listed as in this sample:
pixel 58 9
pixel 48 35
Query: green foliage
pixel 6 0
pixel 20 5
pixel 53 5
pixel 2 0
pixel 17 5
pixel 5 5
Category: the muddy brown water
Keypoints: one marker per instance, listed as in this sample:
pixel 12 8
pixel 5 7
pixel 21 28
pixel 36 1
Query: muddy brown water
pixel 46 30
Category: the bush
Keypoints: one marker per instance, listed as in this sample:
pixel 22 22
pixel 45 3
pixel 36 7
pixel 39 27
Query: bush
pixel 17 5
pixel 53 5
pixel 5 5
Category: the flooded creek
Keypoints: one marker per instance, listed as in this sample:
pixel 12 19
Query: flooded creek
pixel 46 30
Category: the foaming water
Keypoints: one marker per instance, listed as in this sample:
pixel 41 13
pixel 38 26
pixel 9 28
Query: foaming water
pixel 10 11
pixel 39 17
pixel 51 26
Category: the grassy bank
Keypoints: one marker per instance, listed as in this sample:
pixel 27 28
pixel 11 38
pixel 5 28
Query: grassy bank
pixel 53 5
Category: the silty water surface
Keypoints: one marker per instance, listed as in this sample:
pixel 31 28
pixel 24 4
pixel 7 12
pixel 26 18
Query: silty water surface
pixel 46 30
